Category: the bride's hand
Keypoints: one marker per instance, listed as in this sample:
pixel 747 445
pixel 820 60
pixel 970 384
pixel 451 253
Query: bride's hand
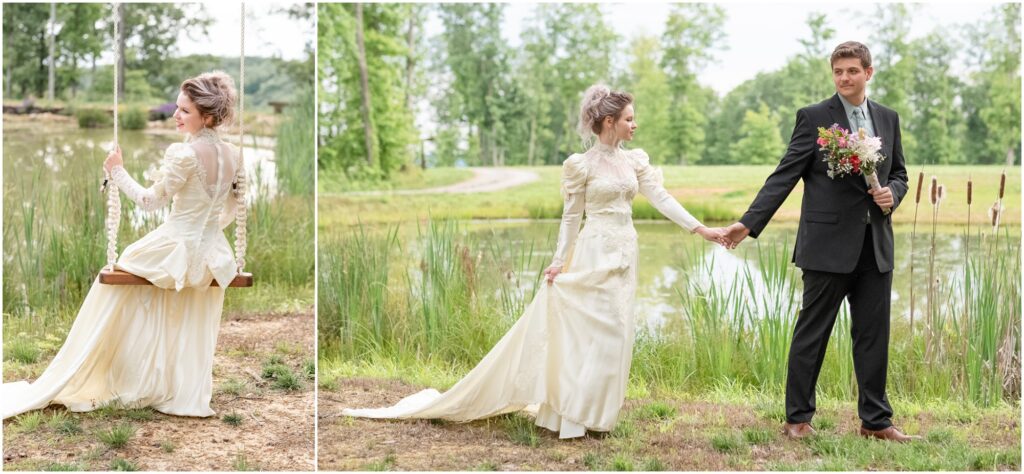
pixel 551 272
pixel 716 235
pixel 113 159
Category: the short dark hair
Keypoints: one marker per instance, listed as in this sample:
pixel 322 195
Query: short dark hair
pixel 852 49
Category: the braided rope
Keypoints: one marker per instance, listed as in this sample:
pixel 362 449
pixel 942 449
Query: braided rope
pixel 113 220
pixel 241 213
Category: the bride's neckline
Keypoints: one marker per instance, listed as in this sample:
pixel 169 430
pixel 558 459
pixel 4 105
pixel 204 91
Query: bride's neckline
pixel 604 148
pixel 204 135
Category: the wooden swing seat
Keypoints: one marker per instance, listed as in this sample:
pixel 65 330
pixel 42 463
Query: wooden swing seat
pixel 118 277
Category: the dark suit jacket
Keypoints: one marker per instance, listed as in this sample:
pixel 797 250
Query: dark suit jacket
pixel 833 216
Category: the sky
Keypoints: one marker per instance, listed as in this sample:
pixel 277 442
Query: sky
pixel 267 33
pixel 760 37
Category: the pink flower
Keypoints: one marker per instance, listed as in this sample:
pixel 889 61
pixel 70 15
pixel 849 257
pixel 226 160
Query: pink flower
pixel 822 141
pixel 842 142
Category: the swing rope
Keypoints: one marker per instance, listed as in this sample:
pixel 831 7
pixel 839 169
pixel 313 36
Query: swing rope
pixel 240 183
pixel 113 194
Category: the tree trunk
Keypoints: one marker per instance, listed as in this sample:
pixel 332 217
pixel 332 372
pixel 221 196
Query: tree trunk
pixel 52 40
pixel 74 83
pixel 120 53
pixel 533 141
pixel 364 79
pixel 1011 156
pixel 410 57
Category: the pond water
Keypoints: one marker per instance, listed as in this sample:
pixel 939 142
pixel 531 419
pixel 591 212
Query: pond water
pixel 61 159
pixel 669 257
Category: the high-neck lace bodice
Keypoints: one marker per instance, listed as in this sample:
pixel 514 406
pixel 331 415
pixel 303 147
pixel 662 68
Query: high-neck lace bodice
pixel 602 182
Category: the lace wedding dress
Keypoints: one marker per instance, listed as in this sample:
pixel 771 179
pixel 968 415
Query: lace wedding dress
pixel 153 345
pixel 568 356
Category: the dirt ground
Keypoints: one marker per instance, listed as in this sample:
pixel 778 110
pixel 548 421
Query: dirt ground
pixel 273 428
pixel 692 435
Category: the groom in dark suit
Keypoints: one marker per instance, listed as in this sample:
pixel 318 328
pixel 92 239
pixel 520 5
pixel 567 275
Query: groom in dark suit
pixel 844 245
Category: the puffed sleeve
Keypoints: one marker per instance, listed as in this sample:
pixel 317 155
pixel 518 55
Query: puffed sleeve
pixel 179 163
pixel 574 186
pixel 652 186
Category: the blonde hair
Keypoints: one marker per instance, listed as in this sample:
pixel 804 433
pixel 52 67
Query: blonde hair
pixel 599 101
pixel 213 94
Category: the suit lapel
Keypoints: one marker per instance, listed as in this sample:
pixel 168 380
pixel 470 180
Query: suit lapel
pixel 880 122
pixel 838 113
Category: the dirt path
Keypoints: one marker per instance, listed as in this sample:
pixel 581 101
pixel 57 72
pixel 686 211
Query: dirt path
pixel 484 180
pixel 275 419
pixel 651 435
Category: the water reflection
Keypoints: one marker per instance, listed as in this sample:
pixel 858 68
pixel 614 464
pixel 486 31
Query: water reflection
pixel 670 258
pixel 56 158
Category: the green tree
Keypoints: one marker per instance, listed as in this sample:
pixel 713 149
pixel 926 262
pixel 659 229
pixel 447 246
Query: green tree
pixel 759 141
pixel 992 97
pixel 649 85
pixel 935 123
pixel 477 58
pixel 693 31
pixel 342 141
pixel 892 58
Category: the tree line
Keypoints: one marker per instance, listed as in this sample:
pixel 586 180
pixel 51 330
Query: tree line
pixel 498 105
pixel 83 32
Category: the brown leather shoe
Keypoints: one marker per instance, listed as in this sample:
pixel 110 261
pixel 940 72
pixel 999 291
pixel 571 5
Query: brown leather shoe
pixel 797 430
pixel 888 434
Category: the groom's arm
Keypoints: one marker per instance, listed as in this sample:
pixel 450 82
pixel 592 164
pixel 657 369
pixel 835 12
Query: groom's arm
pixel 781 182
pixel 898 181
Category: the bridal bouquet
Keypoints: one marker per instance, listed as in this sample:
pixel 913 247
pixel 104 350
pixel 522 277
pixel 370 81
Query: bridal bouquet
pixel 851 153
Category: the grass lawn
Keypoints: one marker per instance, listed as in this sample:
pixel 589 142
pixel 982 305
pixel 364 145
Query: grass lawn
pixel 725 429
pixel 717 194
pixel 413 178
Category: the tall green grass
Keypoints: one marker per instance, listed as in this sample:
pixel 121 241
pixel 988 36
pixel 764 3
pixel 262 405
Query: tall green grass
pixel 445 296
pixel 296 147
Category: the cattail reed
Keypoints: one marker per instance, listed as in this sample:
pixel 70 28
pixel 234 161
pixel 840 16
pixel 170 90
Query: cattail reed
pixel 997 209
pixel 913 234
pixel 935 195
pixel 967 269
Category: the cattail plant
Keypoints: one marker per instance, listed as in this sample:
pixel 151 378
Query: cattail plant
pixel 967 263
pixel 996 211
pixel 913 234
pixel 934 195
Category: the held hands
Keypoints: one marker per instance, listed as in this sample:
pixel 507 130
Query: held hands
pixel 716 235
pixel 883 197
pixel 735 234
pixel 113 159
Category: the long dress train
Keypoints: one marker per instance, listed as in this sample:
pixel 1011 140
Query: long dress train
pixel 152 345
pixel 568 355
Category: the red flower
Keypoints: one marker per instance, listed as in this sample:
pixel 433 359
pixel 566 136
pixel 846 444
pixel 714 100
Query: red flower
pixel 855 160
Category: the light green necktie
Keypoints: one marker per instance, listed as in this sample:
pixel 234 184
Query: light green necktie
pixel 858 121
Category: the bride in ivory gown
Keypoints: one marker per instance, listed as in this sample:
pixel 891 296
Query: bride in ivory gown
pixel 153 345
pixel 568 355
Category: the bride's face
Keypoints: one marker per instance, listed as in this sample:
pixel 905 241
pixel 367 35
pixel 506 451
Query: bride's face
pixel 187 118
pixel 625 126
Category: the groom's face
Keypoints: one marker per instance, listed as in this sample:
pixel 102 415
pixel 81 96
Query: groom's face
pixel 850 77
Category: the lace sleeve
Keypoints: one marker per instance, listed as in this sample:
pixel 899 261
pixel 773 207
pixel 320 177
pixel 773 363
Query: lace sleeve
pixel 652 186
pixel 178 165
pixel 574 185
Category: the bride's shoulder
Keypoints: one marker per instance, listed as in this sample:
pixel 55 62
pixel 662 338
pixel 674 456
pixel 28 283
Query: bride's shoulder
pixel 638 158
pixel 180 155
pixel 574 173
